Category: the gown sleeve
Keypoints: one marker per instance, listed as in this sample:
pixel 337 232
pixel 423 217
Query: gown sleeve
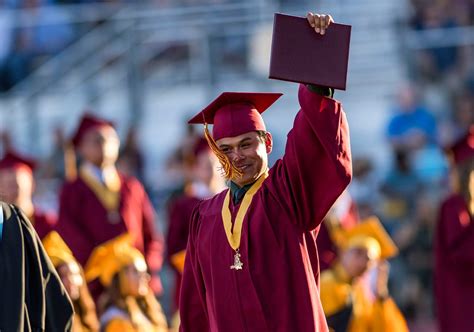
pixel 316 166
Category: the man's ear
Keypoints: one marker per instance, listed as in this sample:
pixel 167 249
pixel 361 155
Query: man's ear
pixel 268 142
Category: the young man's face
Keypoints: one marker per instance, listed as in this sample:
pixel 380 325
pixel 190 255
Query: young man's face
pixel 100 146
pixel 249 153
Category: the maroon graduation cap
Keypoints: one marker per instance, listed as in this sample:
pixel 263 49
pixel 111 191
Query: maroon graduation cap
pixel 463 148
pixel 88 122
pixel 233 114
pixel 12 160
pixel 299 54
pixel 236 113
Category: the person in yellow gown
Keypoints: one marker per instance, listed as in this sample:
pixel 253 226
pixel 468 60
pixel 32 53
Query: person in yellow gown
pixel 72 277
pixel 128 303
pixel 354 291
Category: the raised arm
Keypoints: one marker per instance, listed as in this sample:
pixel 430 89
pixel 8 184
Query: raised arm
pixel 316 167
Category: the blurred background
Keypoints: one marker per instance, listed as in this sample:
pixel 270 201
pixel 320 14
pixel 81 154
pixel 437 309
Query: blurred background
pixel 148 65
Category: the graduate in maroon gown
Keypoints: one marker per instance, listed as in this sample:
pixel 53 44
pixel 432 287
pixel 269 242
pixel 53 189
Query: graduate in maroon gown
pixel 251 260
pixel 204 181
pixel 100 203
pixel 454 245
pixel 17 186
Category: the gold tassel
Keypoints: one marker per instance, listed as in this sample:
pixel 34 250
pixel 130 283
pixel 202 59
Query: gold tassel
pixel 228 169
pixel 70 168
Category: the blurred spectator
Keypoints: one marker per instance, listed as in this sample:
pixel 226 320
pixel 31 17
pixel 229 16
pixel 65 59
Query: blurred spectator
pixel 101 203
pixel 454 243
pixel 436 62
pixel 47 29
pixel 54 167
pixel 400 188
pixel 44 32
pixel 413 269
pixel 72 277
pixel 177 171
pixel 413 129
pixel 354 292
pixel 128 303
pixel 412 126
pixel 363 188
pixel 17 185
pixel 462 116
pixel 131 160
pixel 343 215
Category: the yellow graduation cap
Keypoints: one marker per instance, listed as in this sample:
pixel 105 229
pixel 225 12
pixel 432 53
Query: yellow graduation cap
pixel 57 249
pixel 109 258
pixel 369 234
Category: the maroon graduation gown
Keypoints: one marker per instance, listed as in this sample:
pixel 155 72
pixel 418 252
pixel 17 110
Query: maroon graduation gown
pixel 278 288
pixel 180 212
pixel 454 268
pixel 84 222
pixel 43 223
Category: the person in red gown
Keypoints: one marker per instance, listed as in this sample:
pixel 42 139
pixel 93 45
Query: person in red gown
pixel 17 186
pixel 101 203
pixel 251 260
pixel 454 244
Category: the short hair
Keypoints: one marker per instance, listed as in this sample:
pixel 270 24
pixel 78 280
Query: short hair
pixel 262 135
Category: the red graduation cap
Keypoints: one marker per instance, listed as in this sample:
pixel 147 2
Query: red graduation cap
pixel 463 148
pixel 87 123
pixel 233 114
pixel 236 113
pixel 12 160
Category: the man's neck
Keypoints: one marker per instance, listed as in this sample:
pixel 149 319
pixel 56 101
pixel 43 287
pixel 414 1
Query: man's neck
pixel 238 192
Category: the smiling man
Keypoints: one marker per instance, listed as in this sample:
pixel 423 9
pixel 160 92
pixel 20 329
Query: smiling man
pixel 251 260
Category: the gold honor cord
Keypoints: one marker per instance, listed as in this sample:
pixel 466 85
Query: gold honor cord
pixel 234 237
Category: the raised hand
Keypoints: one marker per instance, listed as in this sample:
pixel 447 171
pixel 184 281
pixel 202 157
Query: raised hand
pixel 319 22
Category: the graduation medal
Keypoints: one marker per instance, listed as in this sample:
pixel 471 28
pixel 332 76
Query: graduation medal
pixel 233 236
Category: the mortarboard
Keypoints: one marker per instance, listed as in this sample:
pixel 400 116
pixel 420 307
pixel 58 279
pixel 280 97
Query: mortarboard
pixel 463 148
pixel 107 259
pixel 233 114
pixel 236 113
pixel 88 122
pixel 57 249
pixel 370 234
pixel 12 160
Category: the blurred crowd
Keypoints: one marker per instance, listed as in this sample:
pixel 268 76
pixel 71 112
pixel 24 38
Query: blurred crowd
pixel 430 112
pixel 31 31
